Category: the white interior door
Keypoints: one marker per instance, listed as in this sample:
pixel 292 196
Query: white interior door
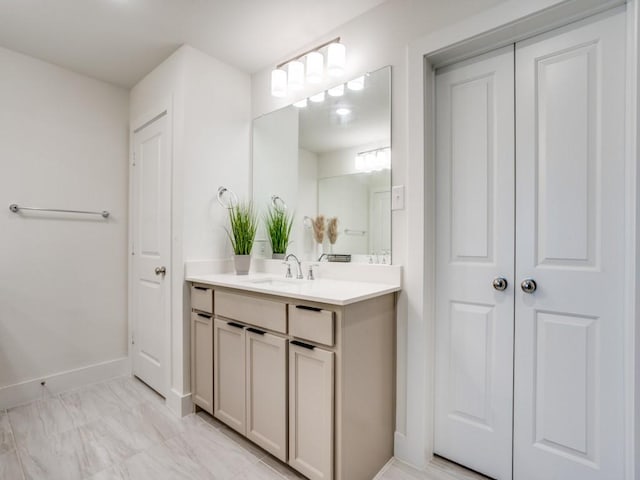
pixel 568 421
pixel 151 253
pixel 474 244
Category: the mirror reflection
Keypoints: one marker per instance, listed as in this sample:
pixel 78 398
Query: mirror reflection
pixel 328 158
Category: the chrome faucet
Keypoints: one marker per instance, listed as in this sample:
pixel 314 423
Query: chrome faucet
pixel 299 276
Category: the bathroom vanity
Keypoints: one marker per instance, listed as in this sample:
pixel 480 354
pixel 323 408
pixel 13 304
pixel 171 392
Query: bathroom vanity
pixel 305 369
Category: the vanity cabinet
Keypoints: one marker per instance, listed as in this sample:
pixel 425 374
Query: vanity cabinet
pixel 312 383
pixel 229 374
pixel 250 372
pixel 266 384
pixel 202 347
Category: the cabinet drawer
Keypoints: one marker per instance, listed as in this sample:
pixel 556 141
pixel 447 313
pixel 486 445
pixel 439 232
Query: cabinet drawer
pixel 202 299
pixel 311 323
pixel 256 311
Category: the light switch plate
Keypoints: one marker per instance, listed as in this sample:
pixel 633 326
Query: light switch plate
pixel 397 197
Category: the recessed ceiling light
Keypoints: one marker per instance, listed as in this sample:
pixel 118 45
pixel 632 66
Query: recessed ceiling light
pixel 343 111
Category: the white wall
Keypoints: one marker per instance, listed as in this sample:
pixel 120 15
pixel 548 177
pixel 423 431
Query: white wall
pixel 63 278
pixel 210 113
pixel 376 39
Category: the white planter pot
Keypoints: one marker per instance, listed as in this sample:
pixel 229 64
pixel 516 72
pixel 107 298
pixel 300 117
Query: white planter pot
pixel 242 264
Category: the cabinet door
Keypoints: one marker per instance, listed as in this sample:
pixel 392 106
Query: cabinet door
pixel 202 360
pixel 229 374
pixel 266 356
pixel 311 411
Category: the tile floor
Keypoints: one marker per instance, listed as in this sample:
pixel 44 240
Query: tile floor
pixel 120 429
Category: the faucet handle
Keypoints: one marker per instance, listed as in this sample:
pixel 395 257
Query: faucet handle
pixel 310 273
pixel 288 274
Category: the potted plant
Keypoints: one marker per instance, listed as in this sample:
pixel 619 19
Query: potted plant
pixel 243 225
pixel 279 224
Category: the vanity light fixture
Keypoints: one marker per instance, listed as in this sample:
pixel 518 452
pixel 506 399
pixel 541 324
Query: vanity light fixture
pixel 342 111
pixel 315 64
pixel 279 83
pixel 336 91
pixel 356 84
pixel 373 160
pixel 336 59
pixel 296 75
pixel 314 60
pixel 317 98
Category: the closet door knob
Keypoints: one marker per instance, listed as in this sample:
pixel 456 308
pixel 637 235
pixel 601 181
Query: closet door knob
pixel 161 270
pixel 528 285
pixel 500 284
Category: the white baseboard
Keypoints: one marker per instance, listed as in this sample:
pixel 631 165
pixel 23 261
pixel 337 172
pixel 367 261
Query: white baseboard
pixel 403 452
pixel 25 392
pixel 178 403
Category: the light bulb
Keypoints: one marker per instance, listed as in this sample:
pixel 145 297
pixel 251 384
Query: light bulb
pixel 278 83
pixel 337 91
pixel 296 75
pixel 301 104
pixel 343 111
pixel 336 59
pixel 318 97
pixel 315 62
pixel 356 83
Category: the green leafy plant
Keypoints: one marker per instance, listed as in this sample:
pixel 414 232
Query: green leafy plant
pixel 244 223
pixel 279 224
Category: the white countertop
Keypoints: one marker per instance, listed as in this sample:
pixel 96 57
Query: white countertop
pixel 323 290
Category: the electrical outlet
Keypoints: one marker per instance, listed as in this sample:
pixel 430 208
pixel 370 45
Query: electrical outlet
pixel 397 197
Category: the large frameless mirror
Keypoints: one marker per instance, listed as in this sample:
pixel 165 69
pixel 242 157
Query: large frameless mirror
pixel 327 160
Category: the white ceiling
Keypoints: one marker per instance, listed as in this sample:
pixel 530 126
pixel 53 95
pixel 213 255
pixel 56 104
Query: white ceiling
pixel 120 41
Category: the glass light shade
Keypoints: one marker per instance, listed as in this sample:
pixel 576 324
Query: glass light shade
pixel 343 111
pixel 301 104
pixel 336 59
pixel 337 91
pixel 315 64
pixel 296 75
pixel 278 83
pixel 356 83
pixel 317 98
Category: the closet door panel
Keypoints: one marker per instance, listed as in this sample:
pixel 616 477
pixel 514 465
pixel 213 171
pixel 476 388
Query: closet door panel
pixel 475 230
pixel 568 417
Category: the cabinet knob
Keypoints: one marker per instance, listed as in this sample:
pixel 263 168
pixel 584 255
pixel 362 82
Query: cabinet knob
pixel 161 270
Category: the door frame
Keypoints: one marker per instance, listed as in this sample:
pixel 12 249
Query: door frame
pixel 506 23
pixel 163 107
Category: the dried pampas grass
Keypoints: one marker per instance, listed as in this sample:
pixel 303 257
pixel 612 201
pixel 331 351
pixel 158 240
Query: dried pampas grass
pixel 333 230
pixel 318 228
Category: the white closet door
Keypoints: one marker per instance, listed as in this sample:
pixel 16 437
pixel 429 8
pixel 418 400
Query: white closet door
pixel 568 421
pixel 151 225
pixel 475 231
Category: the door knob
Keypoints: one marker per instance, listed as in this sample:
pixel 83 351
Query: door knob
pixel 528 285
pixel 160 270
pixel 500 284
